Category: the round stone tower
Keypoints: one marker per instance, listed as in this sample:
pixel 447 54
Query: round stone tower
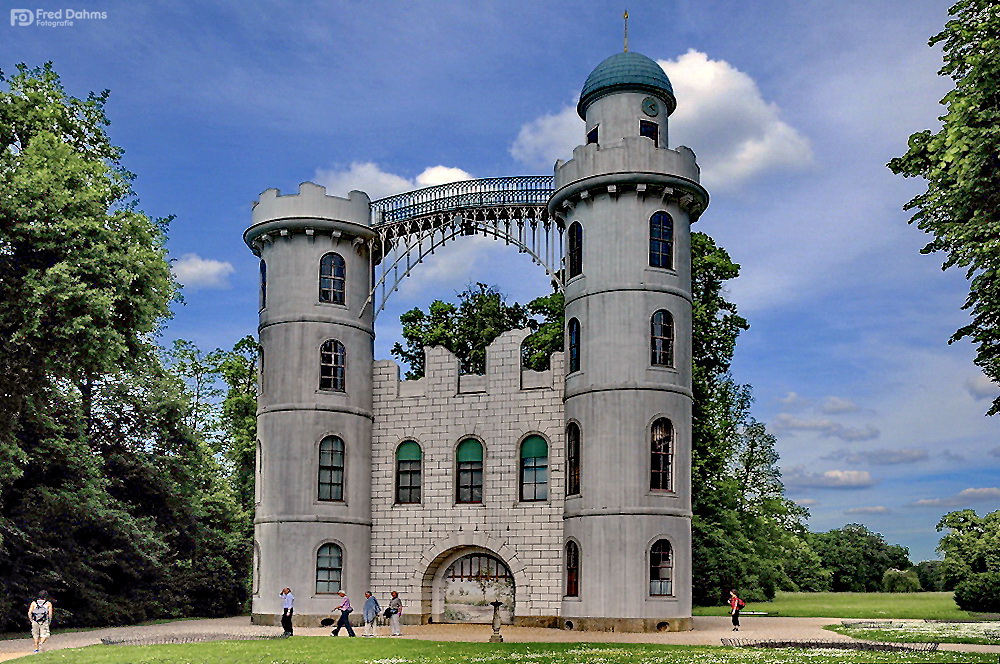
pixel 312 529
pixel 628 202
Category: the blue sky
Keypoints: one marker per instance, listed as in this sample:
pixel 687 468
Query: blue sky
pixel 793 109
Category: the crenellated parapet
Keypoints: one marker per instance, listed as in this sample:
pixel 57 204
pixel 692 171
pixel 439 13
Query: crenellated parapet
pixel 310 212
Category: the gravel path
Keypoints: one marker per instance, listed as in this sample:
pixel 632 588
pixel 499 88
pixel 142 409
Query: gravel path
pixel 707 631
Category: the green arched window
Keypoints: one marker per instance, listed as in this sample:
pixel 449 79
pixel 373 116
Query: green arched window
pixel 408 462
pixel 469 472
pixel 534 469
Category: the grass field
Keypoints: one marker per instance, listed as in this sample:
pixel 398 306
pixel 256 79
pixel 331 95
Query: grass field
pixel 922 632
pixel 938 606
pixel 320 650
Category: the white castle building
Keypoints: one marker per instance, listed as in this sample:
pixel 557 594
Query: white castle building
pixel 564 494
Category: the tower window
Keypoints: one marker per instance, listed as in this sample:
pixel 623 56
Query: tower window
pixel 572 569
pixel 329 568
pixel 408 462
pixel 574 344
pixel 331 469
pixel 572 459
pixel 661 339
pixel 534 469
pixel 263 284
pixel 592 136
pixel 332 279
pixel 661 569
pixel 575 257
pixel 661 241
pixel 332 366
pixel 650 130
pixel 469 472
pixel 662 455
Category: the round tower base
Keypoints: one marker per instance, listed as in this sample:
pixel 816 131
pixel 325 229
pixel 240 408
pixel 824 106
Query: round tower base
pixel 627 624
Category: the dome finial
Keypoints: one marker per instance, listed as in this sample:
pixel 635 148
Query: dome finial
pixel 626 30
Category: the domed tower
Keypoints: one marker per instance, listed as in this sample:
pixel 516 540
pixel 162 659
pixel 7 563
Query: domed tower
pixel 628 202
pixel 312 530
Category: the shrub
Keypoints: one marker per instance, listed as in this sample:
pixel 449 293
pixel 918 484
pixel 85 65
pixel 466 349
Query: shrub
pixel 900 581
pixel 978 592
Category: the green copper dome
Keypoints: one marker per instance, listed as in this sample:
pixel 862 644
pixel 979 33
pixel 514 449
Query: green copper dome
pixel 626 71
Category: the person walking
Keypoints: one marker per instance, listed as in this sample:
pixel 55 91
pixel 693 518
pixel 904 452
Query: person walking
pixel 395 610
pixel 287 609
pixel 735 606
pixel 40 616
pixel 345 615
pixel 370 612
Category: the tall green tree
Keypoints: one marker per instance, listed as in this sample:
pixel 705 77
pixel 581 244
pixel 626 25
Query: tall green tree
pixel 961 164
pixel 971 544
pixel 858 558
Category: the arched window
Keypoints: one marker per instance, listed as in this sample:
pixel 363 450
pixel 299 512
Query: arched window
pixel 661 339
pixel 534 469
pixel 574 345
pixel 331 469
pixel 408 461
pixel 332 279
pixel 572 459
pixel 329 569
pixel 469 472
pixel 332 366
pixel 263 284
pixel 662 454
pixel 258 485
pixel 575 254
pixel 255 582
pixel 661 569
pixel 661 241
pixel 572 569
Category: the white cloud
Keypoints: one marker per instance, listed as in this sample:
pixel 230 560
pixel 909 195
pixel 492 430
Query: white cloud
pixel 723 116
pixel 872 509
pixel 193 271
pixel 883 457
pixel 368 177
pixel 836 405
pixel 550 137
pixel 785 422
pixel 964 497
pixel 831 479
pixel 792 401
pixel 807 502
pixel 982 388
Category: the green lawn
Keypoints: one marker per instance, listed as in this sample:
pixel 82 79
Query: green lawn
pixel 922 632
pixel 324 650
pixel 939 606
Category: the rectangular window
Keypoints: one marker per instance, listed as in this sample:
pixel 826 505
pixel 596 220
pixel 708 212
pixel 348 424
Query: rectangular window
pixel 592 136
pixel 650 130
pixel 470 481
pixel 408 482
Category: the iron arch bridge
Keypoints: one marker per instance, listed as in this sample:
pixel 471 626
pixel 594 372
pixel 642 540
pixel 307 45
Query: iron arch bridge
pixel 411 226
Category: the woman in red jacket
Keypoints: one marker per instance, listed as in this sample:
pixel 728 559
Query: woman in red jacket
pixel 735 604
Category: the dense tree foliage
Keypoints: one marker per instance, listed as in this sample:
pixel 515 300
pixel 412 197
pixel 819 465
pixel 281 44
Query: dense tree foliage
pixel 931 576
pixel 858 558
pixel 900 581
pixel 971 549
pixel 961 164
pixel 112 496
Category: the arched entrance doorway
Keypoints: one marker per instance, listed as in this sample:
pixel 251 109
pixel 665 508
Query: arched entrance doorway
pixel 467 583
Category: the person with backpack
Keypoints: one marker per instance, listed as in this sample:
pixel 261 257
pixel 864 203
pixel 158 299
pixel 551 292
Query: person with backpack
pixel 393 613
pixel 735 606
pixel 40 616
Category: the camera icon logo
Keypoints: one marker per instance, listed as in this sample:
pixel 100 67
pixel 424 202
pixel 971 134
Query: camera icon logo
pixel 21 17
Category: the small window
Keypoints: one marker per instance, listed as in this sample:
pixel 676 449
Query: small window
pixel 662 455
pixel 661 569
pixel 592 136
pixel 263 284
pixel 661 339
pixel 572 569
pixel 332 279
pixel 661 241
pixel 329 569
pixel 408 462
pixel 332 366
pixel 534 469
pixel 331 469
pixel 650 130
pixel 572 459
pixel 469 472
pixel 575 257
pixel 574 345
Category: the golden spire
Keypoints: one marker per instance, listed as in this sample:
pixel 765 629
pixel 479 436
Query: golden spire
pixel 625 16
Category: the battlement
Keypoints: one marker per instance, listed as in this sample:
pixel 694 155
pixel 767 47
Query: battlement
pixel 442 377
pixel 633 154
pixel 308 211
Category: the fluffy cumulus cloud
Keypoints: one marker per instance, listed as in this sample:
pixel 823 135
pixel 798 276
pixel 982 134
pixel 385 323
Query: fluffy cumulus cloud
pixel 879 457
pixel 193 271
pixel 963 498
pixel 836 405
pixel 799 477
pixel 871 509
pixel 366 176
pixel 981 388
pixel 723 116
pixel 825 427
